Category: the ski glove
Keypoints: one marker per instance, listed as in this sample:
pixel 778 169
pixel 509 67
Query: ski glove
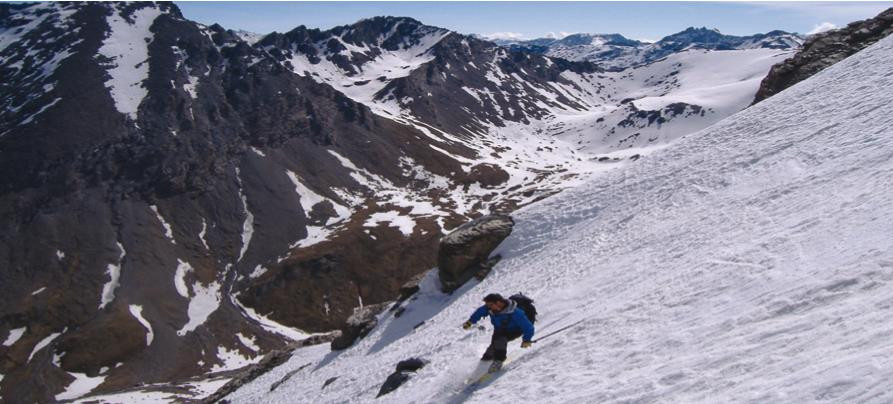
pixel 466 325
pixel 526 344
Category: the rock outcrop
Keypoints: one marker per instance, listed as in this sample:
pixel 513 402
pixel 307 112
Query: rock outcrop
pixel 465 252
pixel 401 375
pixel 363 320
pixel 823 50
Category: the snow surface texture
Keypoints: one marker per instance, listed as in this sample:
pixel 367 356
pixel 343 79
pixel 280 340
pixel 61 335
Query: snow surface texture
pixel 750 262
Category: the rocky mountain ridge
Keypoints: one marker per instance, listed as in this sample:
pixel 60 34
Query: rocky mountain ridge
pixel 823 50
pixel 616 52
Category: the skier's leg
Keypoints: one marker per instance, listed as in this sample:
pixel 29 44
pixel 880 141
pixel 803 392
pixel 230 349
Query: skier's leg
pixel 488 354
pixel 498 344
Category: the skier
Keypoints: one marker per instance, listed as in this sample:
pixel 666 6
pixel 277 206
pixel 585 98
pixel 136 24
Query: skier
pixel 509 322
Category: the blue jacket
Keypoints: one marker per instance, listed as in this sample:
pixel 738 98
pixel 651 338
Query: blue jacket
pixel 510 318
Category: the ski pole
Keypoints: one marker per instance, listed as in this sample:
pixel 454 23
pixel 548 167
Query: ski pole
pixel 558 330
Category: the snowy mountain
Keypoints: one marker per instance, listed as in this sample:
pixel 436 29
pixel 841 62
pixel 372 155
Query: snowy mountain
pixel 615 52
pixel 750 262
pixel 181 199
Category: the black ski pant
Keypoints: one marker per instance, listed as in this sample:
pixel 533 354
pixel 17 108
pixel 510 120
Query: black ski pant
pixel 499 342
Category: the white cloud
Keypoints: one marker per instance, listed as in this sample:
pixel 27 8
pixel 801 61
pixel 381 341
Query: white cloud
pixel 825 26
pixel 558 35
pixel 504 35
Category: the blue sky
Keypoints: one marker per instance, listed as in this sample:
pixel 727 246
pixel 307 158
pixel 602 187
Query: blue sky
pixel 638 20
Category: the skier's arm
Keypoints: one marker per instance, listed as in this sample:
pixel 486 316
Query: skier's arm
pixel 526 327
pixel 478 314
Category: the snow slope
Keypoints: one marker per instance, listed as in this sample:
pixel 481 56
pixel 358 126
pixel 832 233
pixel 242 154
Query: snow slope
pixel 751 262
pixel 701 86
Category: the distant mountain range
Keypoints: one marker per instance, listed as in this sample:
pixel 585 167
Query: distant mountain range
pixel 616 52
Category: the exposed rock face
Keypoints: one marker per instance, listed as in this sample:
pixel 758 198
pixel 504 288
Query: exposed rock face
pixel 183 185
pixel 401 375
pixel 363 320
pixel 823 50
pixel 465 252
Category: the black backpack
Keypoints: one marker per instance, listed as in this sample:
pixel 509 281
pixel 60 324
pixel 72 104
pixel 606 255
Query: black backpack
pixel 526 304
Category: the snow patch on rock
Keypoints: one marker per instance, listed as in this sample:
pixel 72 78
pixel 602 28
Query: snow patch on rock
pixel 201 234
pixel 114 273
pixel 394 219
pixel 44 342
pixel 127 49
pixel 258 271
pixel 248 224
pixel 137 312
pixel 168 231
pixel 268 324
pixel 204 302
pixel 249 343
pixel 80 386
pixel 14 335
pixel 183 268
pixel 232 359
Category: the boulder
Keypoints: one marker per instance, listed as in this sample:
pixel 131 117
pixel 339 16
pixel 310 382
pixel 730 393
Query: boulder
pixel 401 375
pixel 411 365
pixel 329 381
pixel 465 252
pixel 411 287
pixel 393 381
pixel 363 320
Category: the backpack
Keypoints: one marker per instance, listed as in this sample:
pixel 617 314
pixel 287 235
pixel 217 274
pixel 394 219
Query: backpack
pixel 526 304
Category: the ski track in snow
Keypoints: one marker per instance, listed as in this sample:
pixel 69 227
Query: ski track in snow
pixel 749 262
